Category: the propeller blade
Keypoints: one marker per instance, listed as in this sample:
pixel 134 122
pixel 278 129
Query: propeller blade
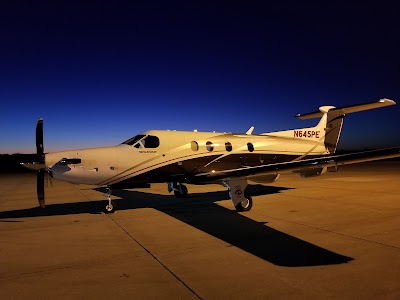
pixel 41 161
pixel 40 188
pixel 39 142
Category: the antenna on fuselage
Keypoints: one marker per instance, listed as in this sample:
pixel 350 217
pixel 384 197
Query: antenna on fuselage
pixel 250 131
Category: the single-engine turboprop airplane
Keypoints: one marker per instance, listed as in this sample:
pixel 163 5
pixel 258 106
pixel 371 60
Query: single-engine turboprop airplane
pixel 178 157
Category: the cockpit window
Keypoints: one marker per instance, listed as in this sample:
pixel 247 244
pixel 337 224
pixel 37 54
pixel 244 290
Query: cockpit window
pixel 151 141
pixel 133 140
pixel 143 141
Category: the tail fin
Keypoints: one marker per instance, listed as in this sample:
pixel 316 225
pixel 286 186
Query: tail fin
pixel 332 119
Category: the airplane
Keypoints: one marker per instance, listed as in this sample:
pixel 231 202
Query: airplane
pixel 192 157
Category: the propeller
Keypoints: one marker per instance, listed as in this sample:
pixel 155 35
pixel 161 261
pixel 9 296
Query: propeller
pixel 41 162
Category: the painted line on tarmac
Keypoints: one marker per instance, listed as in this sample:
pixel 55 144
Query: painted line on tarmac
pixel 152 255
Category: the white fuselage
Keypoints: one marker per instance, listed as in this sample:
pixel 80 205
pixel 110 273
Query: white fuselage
pixel 159 155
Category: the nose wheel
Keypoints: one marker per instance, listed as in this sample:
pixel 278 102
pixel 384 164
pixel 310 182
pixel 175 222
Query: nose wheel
pixel 108 206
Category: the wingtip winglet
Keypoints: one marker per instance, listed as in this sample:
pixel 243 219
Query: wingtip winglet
pixel 387 101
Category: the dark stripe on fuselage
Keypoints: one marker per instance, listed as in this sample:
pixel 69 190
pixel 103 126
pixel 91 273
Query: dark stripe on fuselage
pixel 185 171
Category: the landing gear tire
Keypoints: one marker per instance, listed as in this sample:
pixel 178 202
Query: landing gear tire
pixel 108 208
pixel 181 192
pixel 245 205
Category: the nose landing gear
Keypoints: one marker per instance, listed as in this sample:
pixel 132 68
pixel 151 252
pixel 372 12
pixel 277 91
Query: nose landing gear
pixel 108 206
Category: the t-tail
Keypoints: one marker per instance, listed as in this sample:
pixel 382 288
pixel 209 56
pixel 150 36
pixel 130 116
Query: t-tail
pixel 327 132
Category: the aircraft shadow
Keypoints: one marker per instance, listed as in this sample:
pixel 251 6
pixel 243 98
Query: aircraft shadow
pixel 201 212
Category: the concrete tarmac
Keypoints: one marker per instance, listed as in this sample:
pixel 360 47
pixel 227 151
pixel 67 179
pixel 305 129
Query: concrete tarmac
pixel 335 236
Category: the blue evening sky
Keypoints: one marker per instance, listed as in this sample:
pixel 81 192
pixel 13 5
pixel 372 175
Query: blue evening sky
pixel 99 72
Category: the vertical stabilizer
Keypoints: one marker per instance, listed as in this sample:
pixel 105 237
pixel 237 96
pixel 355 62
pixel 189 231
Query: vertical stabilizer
pixel 333 128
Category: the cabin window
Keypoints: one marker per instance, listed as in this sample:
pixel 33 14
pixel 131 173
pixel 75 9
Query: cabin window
pixel 209 146
pixel 194 145
pixel 228 146
pixel 250 147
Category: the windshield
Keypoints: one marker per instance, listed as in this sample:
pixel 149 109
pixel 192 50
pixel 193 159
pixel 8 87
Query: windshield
pixel 133 140
pixel 143 141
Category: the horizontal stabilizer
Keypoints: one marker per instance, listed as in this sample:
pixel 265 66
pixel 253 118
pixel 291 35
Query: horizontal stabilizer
pixel 347 109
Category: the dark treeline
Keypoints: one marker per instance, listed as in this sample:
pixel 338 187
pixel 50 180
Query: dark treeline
pixel 11 163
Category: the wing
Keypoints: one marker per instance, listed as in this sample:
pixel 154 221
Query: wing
pixel 302 166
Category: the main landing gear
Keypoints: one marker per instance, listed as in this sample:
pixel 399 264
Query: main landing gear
pixel 246 204
pixel 241 199
pixel 180 190
pixel 236 187
pixel 108 206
